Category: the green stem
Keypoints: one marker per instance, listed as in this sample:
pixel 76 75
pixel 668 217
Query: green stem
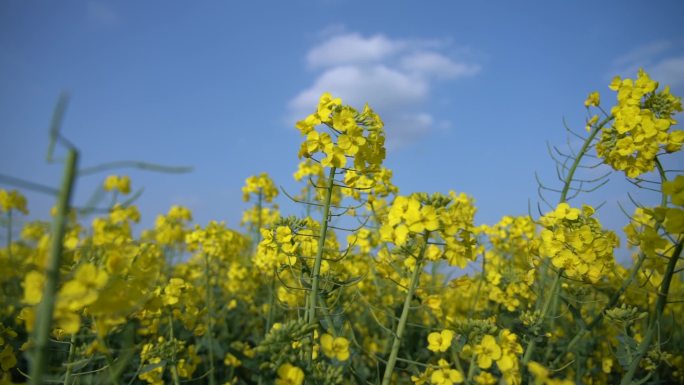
pixel 9 237
pixel 174 369
pixel 471 369
pixel 578 158
pixel 662 294
pixel 260 203
pixel 210 325
pixel 315 275
pixel 415 276
pixel 328 317
pixel 70 359
pixel 655 321
pixel 545 310
pixel 47 305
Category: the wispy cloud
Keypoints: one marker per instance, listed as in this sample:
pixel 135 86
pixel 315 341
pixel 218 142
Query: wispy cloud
pixel 395 76
pixel 101 13
pixel 663 60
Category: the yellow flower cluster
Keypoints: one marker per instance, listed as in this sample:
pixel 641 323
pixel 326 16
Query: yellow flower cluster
pixel 260 185
pixel 118 183
pixel 450 218
pixel 442 374
pixel 504 351
pixel 356 135
pixel 12 200
pixel 216 241
pixel 170 229
pixel 642 120
pixel 576 243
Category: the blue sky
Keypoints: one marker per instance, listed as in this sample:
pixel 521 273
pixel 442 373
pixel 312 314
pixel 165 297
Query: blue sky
pixel 470 91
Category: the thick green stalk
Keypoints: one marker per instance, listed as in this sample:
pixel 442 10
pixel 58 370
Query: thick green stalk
pixel 174 369
pixel 315 275
pixel 415 276
pixel 47 305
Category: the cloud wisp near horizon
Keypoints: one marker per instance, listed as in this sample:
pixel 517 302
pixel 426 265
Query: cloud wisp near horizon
pixel 396 76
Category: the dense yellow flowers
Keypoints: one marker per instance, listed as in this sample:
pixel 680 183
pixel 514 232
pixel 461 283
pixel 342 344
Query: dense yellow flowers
pixel 418 285
pixel 261 185
pixel 353 134
pixel 641 125
pixel 576 242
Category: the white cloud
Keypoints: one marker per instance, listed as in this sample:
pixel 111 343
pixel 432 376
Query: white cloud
pixel 663 60
pixel 352 49
pixel 436 64
pixel 669 71
pixel 384 87
pixel 394 76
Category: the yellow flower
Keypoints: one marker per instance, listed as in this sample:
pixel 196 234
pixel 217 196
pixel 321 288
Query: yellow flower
pixel 335 347
pixel 33 287
pixel 564 211
pixel 83 289
pixel 326 105
pixel 231 360
pixel 289 375
pixel 7 358
pixel 440 342
pixel 120 183
pixel 606 365
pixel 487 351
pixel 334 156
pixel 12 200
pixel 675 190
pixel 592 100
pixel 591 122
pixel 446 377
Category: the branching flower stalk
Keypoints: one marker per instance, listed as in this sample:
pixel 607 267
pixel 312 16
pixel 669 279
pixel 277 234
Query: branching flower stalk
pixel 413 283
pixel 661 302
pixel 315 274
pixel 555 291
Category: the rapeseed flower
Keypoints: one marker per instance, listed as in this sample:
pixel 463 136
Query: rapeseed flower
pixel 440 341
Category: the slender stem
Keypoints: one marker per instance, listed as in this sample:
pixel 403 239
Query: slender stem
pixel 210 325
pixel 471 369
pixel 70 359
pixel 655 321
pixel 578 158
pixel 415 276
pixel 315 275
pixel 47 305
pixel 545 310
pixel 174 369
pixel 9 237
pixel 260 203
pixel 662 295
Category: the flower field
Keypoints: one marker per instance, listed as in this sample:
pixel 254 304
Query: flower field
pixel 370 286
